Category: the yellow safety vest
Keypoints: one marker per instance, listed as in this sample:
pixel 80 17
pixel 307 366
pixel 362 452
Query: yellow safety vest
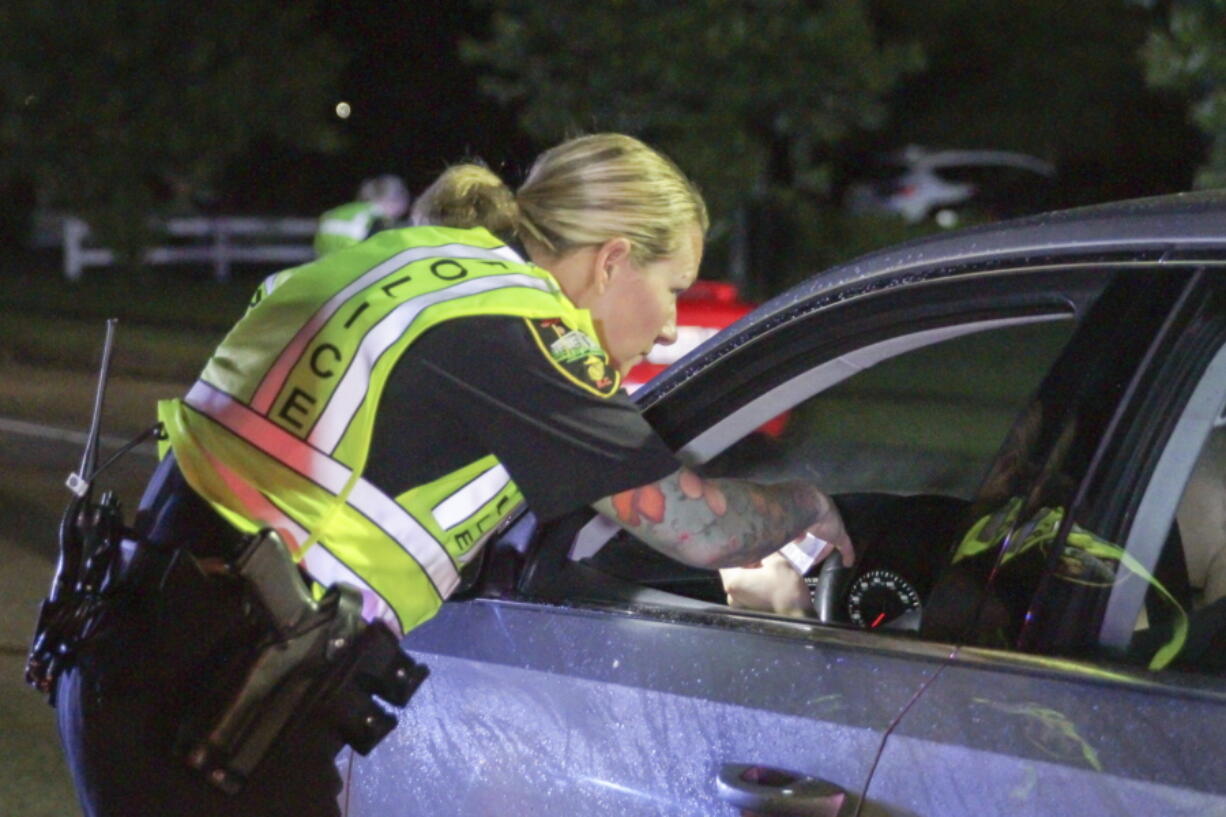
pixel 344 226
pixel 277 430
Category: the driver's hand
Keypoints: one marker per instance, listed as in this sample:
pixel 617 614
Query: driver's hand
pixel 769 586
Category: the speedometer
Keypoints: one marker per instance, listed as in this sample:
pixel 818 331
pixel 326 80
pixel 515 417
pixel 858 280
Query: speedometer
pixel 879 597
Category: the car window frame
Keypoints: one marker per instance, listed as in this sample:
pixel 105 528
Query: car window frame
pixel 515 570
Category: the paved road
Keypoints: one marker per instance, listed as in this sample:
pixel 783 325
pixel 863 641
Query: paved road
pixel 33 778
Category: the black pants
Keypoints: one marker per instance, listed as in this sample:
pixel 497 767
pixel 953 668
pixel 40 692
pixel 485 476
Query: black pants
pixel 153 661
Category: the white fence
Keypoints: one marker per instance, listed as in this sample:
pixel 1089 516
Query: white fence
pixel 219 241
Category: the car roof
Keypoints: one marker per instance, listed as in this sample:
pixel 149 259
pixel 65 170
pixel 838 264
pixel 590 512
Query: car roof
pixel 1162 224
pixel 1161 227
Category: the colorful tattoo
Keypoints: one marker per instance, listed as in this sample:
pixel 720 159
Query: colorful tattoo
pixel 716 522
pixel 637 504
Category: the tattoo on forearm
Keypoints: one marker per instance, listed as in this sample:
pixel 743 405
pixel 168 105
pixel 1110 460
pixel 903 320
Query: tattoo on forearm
pixel 716 522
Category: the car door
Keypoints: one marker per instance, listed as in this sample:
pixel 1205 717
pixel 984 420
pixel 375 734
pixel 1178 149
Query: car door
pixel 585 676
pixel 1063 699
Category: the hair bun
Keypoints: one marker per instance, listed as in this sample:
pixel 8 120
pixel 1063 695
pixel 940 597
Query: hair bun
pixel 468 195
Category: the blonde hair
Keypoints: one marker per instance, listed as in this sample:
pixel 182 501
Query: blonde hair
pixel 584 191
pixel 468 195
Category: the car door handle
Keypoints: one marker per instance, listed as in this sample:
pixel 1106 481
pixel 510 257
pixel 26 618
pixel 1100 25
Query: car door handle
pixel 763 790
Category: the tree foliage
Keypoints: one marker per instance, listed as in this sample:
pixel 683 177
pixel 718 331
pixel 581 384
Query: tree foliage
pixel 1189 55
pixel 119 110
pixel 744 94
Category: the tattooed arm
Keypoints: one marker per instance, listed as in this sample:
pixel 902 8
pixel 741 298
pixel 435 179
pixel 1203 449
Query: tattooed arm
pixel 724 522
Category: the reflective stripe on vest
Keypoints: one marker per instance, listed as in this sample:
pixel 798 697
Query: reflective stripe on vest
pixel 351 391
pixel 462 504
pixel 328 570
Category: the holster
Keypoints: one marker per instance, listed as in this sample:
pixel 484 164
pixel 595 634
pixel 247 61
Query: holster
pixel 320 661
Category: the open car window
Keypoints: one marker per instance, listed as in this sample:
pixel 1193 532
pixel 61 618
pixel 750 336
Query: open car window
pixel 900 432
pixel 921 413
pixel 951 444
pixel 900 428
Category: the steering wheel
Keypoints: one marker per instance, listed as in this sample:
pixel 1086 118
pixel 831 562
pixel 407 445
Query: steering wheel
pixel 831 586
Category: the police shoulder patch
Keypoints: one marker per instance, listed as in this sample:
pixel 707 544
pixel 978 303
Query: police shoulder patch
pixel 575 354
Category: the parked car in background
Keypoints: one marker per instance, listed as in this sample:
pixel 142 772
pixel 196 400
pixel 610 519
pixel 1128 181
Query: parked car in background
pixel 946 185
pixel 1023 425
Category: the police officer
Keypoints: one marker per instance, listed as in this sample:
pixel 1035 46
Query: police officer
pixel 381 202
pixel 383 409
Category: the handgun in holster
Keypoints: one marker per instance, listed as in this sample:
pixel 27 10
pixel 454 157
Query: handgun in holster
pixel 320 661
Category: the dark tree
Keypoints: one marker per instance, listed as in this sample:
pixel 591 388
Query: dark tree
pixel 1188 54
pixel 119 111
pixel 742 93
pixel 750 97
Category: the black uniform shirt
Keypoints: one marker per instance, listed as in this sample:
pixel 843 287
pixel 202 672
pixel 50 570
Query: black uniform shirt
pixel 475 386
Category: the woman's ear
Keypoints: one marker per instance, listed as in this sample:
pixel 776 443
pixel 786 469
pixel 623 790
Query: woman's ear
pixel 611 257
